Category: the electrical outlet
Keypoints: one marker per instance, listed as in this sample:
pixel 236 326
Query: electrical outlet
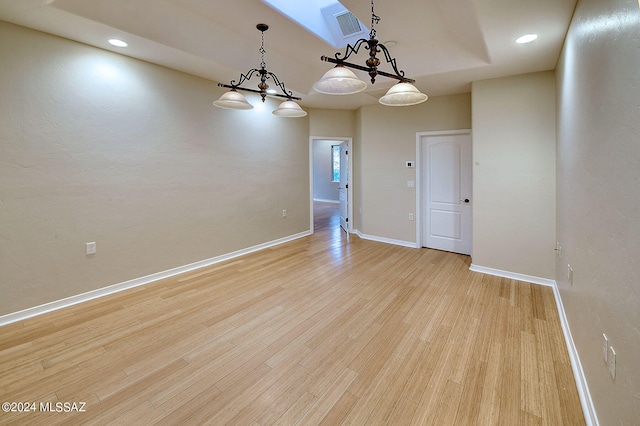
pixel 410 216
pixel 570 274
pixel 284 213
pixel 91 248
pixel 558 250
pixel 612 362
pixel 605 347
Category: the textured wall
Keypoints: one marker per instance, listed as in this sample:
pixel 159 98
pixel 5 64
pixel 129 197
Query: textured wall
pixel 95 146
pixel 599 198
pixel 514 174
pixel 331 122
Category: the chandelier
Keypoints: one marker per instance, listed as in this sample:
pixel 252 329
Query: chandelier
pixel 235 100
pixel 342 81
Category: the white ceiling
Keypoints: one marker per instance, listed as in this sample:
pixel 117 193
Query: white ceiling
pixel 443 44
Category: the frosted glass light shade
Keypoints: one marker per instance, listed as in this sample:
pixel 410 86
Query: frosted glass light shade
pixel 233 100
pixel 403 94
pixel 339 81
pixel 289 109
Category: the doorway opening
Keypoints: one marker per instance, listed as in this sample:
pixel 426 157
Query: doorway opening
pixel 330 184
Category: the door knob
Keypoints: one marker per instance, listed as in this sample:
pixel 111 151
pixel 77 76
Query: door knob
pixel 466 201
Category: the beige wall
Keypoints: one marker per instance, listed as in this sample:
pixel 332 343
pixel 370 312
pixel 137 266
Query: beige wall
pixel 95 146
pixel 514 174
pixel 599 198
pixel 386 138
pixel 331 122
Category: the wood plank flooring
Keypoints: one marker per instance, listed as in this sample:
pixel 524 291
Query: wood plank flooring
pixel 324 330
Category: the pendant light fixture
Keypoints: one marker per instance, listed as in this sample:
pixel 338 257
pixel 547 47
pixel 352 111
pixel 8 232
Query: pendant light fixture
pixel 342 81
pixel 235 100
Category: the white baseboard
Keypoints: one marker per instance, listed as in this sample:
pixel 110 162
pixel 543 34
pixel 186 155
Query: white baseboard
pixel 94 294
pixel 410 244
pixel 513 275
pixel 588 408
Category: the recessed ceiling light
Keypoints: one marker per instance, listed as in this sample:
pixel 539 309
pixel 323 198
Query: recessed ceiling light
pixel 527 38
pixel 118 43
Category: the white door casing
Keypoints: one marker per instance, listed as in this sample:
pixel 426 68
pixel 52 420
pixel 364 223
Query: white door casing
pixel 445 170
pixel 344 186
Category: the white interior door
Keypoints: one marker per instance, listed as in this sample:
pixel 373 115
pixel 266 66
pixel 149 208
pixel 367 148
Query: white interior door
pixel 344 186
pixel 446 166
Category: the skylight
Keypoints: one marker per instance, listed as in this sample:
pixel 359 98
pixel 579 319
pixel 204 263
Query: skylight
pixel 326 19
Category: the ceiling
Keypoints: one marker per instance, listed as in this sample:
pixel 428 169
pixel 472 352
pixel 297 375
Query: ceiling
pixel 443 44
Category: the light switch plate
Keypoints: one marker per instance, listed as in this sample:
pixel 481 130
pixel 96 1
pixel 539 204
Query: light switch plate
pixel 91 248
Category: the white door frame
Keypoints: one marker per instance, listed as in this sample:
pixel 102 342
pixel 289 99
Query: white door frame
pixel 420 222
pixel 349 142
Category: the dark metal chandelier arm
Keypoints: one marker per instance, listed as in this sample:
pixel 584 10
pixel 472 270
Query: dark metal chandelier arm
pixel 258 91
pixel 287 93
pixel 244 77
pixel 351 49
pixel 392 61
pixel 268 74
pixel 399 75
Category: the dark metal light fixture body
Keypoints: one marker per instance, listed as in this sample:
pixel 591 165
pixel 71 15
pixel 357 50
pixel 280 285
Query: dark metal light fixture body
pixel 373 62
pixel 264 76
pixel 340 81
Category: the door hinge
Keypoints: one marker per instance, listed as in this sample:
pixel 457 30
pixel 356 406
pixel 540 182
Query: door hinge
pixel 346 219
pixel 346 186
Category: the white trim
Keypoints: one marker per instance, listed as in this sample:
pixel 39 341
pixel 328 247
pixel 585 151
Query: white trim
pixel 512 275
pixel 588 409
pixel 419 171
pixel 410 244
pixel 94 294
pixel 349 142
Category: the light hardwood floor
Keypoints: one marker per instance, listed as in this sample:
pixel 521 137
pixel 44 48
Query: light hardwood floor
pixel 321 330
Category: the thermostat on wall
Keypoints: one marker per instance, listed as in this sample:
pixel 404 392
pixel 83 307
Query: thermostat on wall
pixel 410 164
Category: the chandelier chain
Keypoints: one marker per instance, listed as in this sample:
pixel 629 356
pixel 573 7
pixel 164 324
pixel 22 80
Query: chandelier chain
pixel 262 52
pixel 375 19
